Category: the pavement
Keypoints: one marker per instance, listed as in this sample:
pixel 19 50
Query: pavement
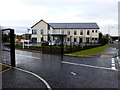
pixel 64 72
pixel 14 78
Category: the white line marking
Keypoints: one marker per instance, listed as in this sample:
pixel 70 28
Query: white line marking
pixel 112 58
pixel 48 86
pixel 113 68
pixel 73 73
pixel 88 66
pixel 28 56
pixel 113 63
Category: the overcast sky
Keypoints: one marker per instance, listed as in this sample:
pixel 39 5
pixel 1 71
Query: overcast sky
pixel 22 14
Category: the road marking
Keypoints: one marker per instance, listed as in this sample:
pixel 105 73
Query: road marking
pixel 28 56
pixel 73 73
pixel 113 63
pixel 84 65
pixel 47 85
pixel 113 68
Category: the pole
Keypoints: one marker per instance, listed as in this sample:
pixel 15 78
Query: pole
pixel 28 43
pixel 109 31
pixel 0 45
pixel 0 58
pixel 12 47
pixel 62 51
pixel 23 44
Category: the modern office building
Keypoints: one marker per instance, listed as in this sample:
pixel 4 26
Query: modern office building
pixel 71 32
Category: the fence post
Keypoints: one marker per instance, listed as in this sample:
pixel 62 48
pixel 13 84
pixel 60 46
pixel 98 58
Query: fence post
pixel 0 58
pixel 0 45
pixel 12 47
pixel 62 51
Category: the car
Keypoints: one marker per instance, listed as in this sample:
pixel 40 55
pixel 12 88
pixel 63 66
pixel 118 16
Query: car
pixel 44 43
pixel 53 43
pixel 111 41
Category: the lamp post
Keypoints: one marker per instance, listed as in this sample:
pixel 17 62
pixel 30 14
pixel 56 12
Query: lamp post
pixel 109 30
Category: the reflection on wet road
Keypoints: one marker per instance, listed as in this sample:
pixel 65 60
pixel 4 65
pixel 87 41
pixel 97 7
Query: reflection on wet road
pixel 64 75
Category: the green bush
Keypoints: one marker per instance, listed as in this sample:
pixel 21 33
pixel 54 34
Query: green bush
pixel 18 45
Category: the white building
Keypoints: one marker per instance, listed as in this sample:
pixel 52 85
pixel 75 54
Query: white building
pixel 72 32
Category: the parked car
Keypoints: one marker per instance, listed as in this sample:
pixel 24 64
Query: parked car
pixel 44 43
pixel 53 43
pixel 111 41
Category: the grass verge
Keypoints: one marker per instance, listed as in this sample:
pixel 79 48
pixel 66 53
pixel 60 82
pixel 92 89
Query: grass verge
pixel 3 67
pixel 92 51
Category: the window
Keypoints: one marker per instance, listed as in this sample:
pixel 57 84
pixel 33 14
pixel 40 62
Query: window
pixel 34 40
pixel 75 32
pixel 92 38
pixel 68 32
pixel 41 31
pixel 34 31
pixel 81 40
pixel 81 32
pixel 96 31
pixel 92 31
pixel 87 40
pixel 88 32
pixel 75 39
pixel 62 32
pixel 68 39
pixel 95 38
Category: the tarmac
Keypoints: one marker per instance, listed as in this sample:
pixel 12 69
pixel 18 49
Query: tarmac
pixel 14 78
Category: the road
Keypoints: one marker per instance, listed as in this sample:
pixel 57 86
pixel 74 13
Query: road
pixel 73 72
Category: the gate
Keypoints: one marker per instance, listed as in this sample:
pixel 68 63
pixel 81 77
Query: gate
pixel 8 47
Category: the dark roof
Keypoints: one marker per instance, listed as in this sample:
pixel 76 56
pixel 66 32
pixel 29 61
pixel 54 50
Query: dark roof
pixel 71 25
pixel 74 25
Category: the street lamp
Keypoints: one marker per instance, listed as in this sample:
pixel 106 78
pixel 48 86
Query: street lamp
pixel 109 29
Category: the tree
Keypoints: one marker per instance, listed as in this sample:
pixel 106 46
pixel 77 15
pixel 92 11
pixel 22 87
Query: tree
pixel 103 39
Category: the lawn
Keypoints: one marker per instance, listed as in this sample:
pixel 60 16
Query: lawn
pixel 3 67
pixel 91 51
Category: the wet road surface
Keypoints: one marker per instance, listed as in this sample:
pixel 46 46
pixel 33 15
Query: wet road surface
pixel 82 73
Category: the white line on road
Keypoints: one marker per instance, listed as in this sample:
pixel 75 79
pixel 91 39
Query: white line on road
pixel 73 73
pixel 28 56
pixel 76 63
pixel 113 68
pixel 88 66
pixel 47 85
pixel 113 63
